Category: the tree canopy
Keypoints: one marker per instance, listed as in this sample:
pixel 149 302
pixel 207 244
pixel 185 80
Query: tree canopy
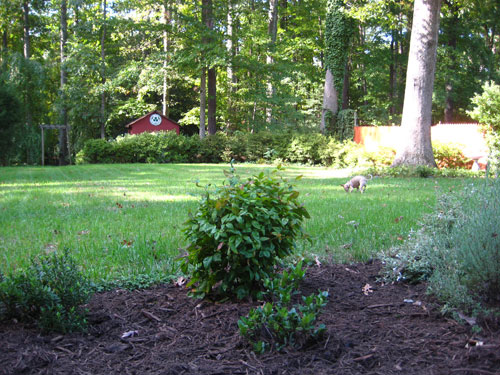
pixel 124 58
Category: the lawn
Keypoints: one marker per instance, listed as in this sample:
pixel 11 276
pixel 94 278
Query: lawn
pixel 124 221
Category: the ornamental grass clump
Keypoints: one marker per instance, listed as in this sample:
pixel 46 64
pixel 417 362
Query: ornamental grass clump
pixel 239 233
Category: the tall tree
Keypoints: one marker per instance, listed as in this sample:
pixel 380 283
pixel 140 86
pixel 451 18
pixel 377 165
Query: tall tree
pixel 102 119
pixel 64 132
pixel 167 18
pixel 337 34
pixel 27 56
pixel 272 31
pixel 415 147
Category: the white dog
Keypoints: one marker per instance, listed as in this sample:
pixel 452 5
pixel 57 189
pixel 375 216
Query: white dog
pixel 357 182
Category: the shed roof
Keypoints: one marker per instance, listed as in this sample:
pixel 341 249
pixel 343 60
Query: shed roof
pixel 149 114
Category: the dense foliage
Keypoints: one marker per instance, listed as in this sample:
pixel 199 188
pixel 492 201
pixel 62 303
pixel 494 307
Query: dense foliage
pixel 239 233
pixel 50 291
pixel 262 147
pixel 487 112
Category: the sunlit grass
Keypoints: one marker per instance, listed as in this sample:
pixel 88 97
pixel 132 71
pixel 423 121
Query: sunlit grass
pixel 125 220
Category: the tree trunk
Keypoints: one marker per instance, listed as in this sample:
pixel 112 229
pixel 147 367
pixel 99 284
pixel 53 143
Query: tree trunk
pixel 203 102
pixel 272 31
pixel 63 133
pixel 415 147
pixel 208 20
pixel 231 52
pixel 166 58
pixel 449 106
pixel 103 72
pixel 212 100
pixel 27 56
pixel 330 101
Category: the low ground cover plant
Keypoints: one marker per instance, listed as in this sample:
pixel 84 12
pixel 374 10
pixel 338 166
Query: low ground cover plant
pixel 239 232
pixel 49 292
pixel 456 249
pixel 280 323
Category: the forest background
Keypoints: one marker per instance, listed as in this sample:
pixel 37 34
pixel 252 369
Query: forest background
pixel 97 65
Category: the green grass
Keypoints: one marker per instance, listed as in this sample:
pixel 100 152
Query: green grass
pixel 123 221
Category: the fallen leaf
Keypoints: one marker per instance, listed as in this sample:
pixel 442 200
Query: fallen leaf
pixel 398 219
pixel 83 232
pixel 367 289
pixel 127 243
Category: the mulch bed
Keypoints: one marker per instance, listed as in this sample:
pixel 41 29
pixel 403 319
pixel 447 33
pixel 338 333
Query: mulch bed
pixel 371 329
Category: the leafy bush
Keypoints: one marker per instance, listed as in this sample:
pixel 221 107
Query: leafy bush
pixel 304 148
pixel 448 155
pixel 50 291
pixel 262 147
pixel 384 156
pixel 96 151
pixel 212 148
pixel 486 111
pixel 340 155
pixel 238 234
pixel 278 324
pixel 457 249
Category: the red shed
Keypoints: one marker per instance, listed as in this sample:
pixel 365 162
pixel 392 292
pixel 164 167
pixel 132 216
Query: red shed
pixel 152 122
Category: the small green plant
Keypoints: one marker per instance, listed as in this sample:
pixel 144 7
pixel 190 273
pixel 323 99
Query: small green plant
pixel 50 291
pixel 239 233
pixel 278 324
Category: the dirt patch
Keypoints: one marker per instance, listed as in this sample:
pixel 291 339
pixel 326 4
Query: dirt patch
pixel 371 329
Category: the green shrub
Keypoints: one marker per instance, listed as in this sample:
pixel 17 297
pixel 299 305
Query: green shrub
pixel 96 151
pixel 486 111
pixel 449 155
pixel 457 249
pixel 50 291
pixel 278 324
pixel 384 156
pixel 236 148
pixel 212 148
pixel 304 148
pixel 238 234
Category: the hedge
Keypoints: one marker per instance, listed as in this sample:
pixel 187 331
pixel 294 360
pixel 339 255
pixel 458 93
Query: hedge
pixel 261 147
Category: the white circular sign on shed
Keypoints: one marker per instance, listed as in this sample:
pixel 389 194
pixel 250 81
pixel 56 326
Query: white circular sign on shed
pixel 155 119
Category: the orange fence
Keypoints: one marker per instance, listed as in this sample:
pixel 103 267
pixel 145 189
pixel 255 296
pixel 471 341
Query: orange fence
pixel 467 135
